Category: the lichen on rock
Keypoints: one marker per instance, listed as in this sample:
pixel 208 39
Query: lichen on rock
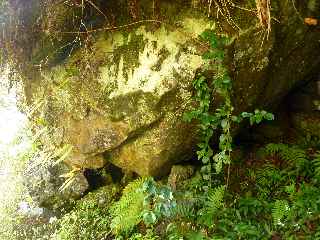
pixel 144 80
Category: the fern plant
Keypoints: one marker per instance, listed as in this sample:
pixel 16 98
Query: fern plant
pixel 183 219
pixel 316 165
pixel 148 236
pixel 127 212
pixel 291 154
pixel 268 179
pixel 183 231
pixel 215 201
pixel 279 211
pixel 184 211
pixel 299 163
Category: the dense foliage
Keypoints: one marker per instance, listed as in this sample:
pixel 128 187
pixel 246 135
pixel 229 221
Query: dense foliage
pixel 277 199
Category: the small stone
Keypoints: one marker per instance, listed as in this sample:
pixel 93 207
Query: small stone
pixel 180 173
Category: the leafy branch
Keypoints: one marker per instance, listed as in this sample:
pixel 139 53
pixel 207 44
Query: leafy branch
pixel 222 118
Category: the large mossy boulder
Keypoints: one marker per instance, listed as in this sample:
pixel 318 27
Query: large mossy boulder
pixel 118 93
pixel 131 109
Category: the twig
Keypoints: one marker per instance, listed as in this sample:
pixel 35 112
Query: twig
pixel 109 28
pixel 95 6
pixel 225 11
pixel 294 7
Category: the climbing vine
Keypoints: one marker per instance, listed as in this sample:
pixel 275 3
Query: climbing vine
pixel 221 119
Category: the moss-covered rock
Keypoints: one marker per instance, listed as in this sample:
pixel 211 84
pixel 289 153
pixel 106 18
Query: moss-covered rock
pixel 308 125
pixel 120 89
pixel 178 174
pixel 90 217
pixel 44 181
pixel 143 82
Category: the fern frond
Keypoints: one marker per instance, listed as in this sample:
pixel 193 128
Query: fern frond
pixel 273 148
pixel 215 199
pixel 150 235
pixel 133 186
pixel 297 157
pixel 293 155
pixel 182 231
pixel 173 232
pixel 127 212
pixel 267 179
pixel 316 165
pixel 193 235
pixel 291 190
pixel 279 211
pixel 317 233
pixel 267 175
pixel 185 211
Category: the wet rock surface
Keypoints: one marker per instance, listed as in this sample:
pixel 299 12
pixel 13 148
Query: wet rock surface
pixel 44 182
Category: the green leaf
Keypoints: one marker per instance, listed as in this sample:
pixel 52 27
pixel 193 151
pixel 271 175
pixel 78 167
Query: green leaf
pixel 149 186
pixel 246 114
pixel 252 120
pixel 187 117
pixel 149 218
pixel 205 160
pixel 201 153
pixel 147 201
pixel 204 169
pixel 269 116
pixel 213 41
pixel 258 118
pixel 209 55
pixel 206 177
pixel 226 80
pixel 224 123
pixel 222 138
pixel 223 40
pixel 205 35
pixel 236 119
pixel 195 236
pixel 219 54
pixel 280 210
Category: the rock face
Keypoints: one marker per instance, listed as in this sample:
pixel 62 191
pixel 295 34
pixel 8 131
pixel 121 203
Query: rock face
pixel 131 110
pixel 119 96
pixel 43 182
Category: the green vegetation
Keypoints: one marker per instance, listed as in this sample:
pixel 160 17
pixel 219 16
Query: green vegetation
pixel 270 191
pixel 277 198
pixel 222 119
pixel 127 212
pixel 90 217
pixel 273 201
